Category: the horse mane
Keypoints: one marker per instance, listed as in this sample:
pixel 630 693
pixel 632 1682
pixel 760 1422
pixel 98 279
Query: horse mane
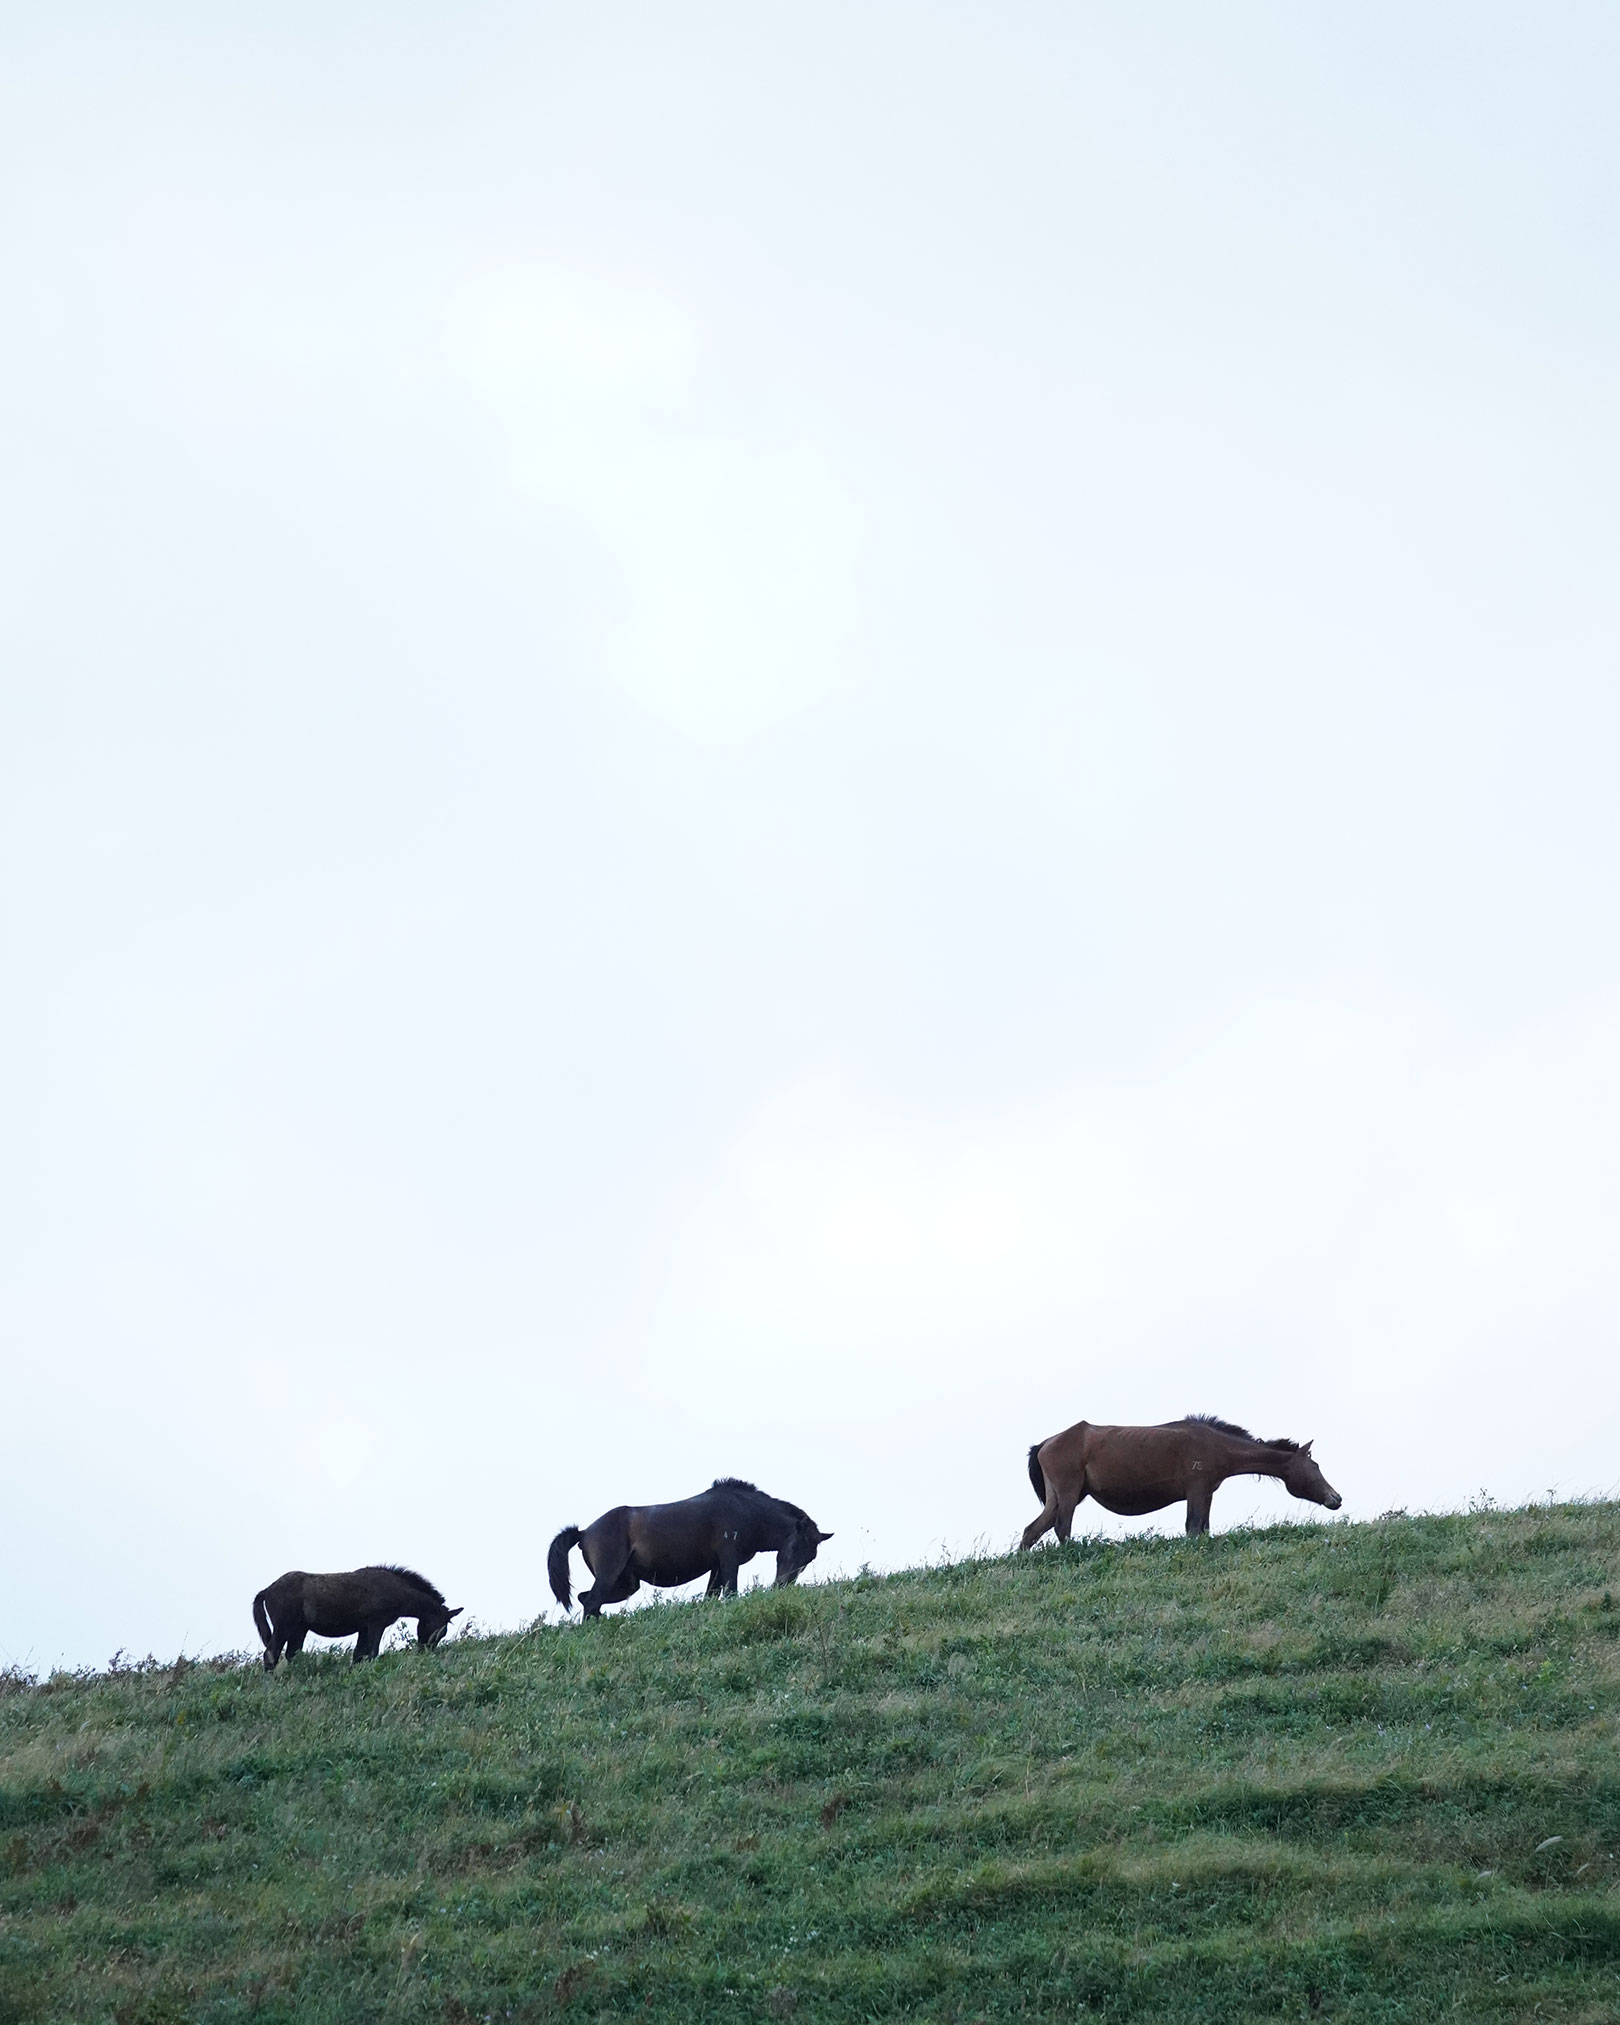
pixel 754 1491
pixel 1220 1426
pixel 1231 1427
pixel 416 1581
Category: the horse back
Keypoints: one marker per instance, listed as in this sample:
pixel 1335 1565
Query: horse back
pixel 676 1543
pixel 1143 1467
pixel 1133 1470
pixel 336 1605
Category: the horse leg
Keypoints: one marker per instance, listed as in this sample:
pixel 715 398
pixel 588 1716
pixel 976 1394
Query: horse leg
pixel 615 1580
pixel 723 1577
pixel 1198 1503
pixel 295 1640
pixel 1064 1521
pixel 1057 1512
pixel 1043 1522
pixel 369 1643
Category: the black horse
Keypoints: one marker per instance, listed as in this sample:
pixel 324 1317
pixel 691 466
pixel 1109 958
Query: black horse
pixel 366 1601
pixel 712 1534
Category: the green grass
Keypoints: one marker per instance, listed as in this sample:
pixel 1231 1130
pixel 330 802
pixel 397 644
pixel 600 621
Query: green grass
pixel 1353 1772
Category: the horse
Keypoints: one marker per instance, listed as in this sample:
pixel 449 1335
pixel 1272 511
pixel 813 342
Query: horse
pixel 712 1534
pixel 1132 1470
pixel 366 1601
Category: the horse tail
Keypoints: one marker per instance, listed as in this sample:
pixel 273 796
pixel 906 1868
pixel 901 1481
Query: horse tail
pixel 261 1620
pixel 1037 1475
pixel 557 1564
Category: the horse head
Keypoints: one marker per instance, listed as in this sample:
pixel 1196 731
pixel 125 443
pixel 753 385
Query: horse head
pixel 433 1624
pixel 798 1551
pixel 1305 1480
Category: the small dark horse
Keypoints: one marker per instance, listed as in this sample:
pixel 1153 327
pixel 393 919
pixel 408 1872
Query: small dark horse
pixel 1132 1470
pixel 712 1534
pixel 366 1601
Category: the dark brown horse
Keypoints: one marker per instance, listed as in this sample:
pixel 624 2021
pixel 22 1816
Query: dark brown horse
pixel 366 1601
pixel 712 1534
pixel 1142 1469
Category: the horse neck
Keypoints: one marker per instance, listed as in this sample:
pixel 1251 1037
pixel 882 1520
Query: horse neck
pixel 1255 1458
pixel 777 1525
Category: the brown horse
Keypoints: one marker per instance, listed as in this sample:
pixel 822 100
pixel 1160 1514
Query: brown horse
pixel 712 1534
pixel 337 1606
pixel 1132 1470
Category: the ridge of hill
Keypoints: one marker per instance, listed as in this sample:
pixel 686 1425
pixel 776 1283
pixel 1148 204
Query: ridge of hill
pixel 1360 1772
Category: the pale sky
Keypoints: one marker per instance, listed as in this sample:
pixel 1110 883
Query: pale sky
pixel 793 741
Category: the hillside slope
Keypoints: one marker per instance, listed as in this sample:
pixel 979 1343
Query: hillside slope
pixel 1356 1772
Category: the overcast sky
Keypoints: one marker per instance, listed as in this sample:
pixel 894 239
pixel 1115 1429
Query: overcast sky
pixel 793 741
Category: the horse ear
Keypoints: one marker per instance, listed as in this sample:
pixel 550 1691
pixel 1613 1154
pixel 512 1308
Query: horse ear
pixel 823 1536
pixel 1307 1448
pixel 460 1607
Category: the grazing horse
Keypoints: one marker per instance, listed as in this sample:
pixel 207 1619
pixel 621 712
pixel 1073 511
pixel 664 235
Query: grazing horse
pixel 334 1606
pixel 1142 1469
pixel 712 1534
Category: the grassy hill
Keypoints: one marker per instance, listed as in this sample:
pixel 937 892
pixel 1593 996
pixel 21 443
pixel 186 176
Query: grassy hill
pixel 1350 1772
